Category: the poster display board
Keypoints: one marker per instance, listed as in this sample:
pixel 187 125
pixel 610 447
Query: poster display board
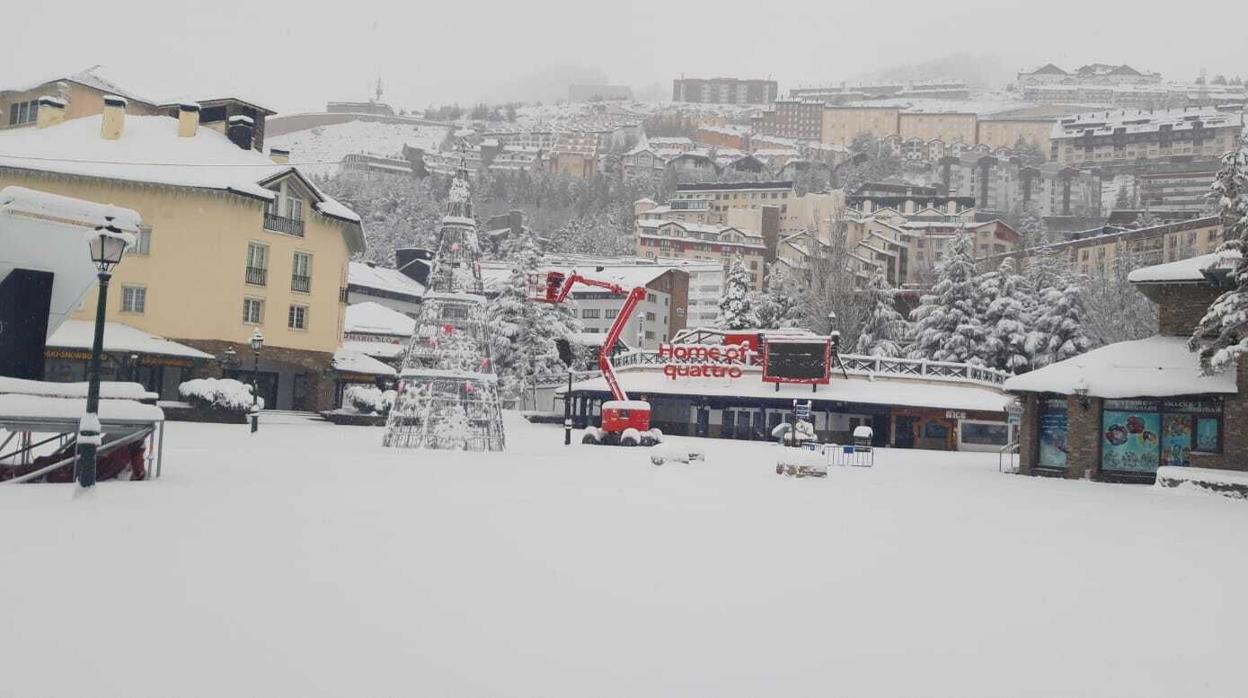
pixel 1052 433
pixel 1138 436
pixel 790 361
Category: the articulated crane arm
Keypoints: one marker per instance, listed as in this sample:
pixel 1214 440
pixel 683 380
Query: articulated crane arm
pixel 559 287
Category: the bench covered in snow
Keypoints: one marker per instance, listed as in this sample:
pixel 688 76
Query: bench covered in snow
pixel 1228 483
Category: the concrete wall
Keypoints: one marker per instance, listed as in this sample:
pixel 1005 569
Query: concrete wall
pixel 1005 133
pixel 948 127
pixel 841 124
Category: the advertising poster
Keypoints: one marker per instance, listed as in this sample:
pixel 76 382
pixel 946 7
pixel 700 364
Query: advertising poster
pixel 1053 434
pixel 1207 435
pixel 1130 441
pixel 1176 438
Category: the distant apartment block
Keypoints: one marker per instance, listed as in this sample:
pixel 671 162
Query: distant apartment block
pixel 724 91
pixel 1123 137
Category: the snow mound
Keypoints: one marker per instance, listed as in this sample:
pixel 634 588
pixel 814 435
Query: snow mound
pixel 222 393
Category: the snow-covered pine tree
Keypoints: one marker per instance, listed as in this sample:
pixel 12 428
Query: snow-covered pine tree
pixel 1057 320
pixel 780 305
pixel 1222 335
pixel 524 332
pixel 947 325
pixel 1031 227
pixel 1005 317
pixel 885 329
pixel 736 308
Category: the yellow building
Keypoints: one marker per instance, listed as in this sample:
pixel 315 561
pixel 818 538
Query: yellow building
pixel 950 127
pixel 1005 133
pixel 232 242
pixel 81 93
pixel 841 124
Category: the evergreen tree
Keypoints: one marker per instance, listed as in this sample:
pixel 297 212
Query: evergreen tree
pixel 1222 335
pixel 1031 227
pixel 885 329
pixel 947 325
pixel 1005 318
pixel 780 305
pixel 736 308
pixel 1058 314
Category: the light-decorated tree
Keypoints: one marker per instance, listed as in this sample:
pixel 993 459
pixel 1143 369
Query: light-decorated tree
pixel 736 308
pixel 1222 335
pixel 1004 295
pixel 947 325
pixel 884 332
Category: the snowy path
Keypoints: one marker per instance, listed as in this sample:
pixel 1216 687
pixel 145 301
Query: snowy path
pixel 308 561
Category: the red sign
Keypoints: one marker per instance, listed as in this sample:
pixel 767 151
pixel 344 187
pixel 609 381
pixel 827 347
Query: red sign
pixel 703 360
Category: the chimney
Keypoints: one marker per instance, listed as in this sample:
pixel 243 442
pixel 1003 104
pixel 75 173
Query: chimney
pixel 279 155
pixel 51 112
pixel 188 119
pixel 114 120
pixel 239 130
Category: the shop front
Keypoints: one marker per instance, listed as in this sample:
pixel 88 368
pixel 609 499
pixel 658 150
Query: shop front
pixel 160 365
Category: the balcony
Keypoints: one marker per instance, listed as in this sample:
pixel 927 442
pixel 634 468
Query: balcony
pixel 257 276
pixel 302 284
pixel 281 224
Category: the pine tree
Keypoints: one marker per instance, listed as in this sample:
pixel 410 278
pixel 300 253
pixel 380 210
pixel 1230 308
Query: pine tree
pixel 1031 227
pixel 1222 335
pixel 947 325
pixel 736 308
pixel 1058 316
pixel 885 329
pixel 1005 318
pixel 780 305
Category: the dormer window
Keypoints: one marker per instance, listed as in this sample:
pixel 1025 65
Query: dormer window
pixel 284 213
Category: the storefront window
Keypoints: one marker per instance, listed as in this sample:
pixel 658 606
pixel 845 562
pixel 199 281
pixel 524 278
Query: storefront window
pixel 1141 435
pixel 1052 434
pixel 985 433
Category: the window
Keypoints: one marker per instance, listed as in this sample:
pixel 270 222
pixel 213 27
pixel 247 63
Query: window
pixel 611 313
pixel 257 263
pixel 650 317
pixel 23 112
pixel 253 311
pixel 144 243
pixel 294 208
pixel 651 298
pixel 297 318
pixel 591 313
pixel 301 272
pixel 133 299
pixel 649 334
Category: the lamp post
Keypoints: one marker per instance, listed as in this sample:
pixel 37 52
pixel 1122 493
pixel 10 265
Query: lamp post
pixel 256 342
pixel 108 244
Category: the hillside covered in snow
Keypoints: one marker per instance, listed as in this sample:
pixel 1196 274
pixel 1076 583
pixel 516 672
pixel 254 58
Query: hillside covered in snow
pixel 319 150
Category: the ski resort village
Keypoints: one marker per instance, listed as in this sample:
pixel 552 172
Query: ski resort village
pixel 825 378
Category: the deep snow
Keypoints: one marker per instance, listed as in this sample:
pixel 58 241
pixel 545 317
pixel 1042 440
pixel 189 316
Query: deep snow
pixel 306 560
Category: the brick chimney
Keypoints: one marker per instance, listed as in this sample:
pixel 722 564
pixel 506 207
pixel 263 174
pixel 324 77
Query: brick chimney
pixel 51 112
pixel 240 130
pixel 114 120
pixel 188 119
pixel 280 156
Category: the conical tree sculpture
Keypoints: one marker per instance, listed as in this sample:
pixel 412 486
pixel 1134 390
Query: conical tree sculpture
pixel 448 392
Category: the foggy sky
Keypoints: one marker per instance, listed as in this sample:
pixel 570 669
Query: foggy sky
pixel 294 56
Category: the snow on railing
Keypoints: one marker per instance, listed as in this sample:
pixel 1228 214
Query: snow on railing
pixel 856 364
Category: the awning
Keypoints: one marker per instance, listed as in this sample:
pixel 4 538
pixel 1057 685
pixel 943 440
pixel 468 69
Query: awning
pixel 119 338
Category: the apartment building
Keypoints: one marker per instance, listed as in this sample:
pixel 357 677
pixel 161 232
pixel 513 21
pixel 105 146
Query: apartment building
pixel 1005 185
pixel 908 247
pixel 80 94
pixel 724 91
pixel 233 242
pixel 1099 250
pixel 664 239
pixel 791 118
pixel 1129 136
pixel 1177 188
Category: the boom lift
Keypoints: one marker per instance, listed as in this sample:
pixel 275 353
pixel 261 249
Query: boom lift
pixel 625 422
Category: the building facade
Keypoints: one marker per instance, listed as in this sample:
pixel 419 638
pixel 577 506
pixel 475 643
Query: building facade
pixel 1125 137
pixel 724 91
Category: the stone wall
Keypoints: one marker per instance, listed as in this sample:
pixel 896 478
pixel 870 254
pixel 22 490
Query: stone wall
pixel 318 366
pixel 1179 307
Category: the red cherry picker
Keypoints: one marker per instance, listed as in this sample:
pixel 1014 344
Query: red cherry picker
pixel 625 422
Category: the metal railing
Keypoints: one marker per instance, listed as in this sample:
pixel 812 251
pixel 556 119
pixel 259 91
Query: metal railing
pixel 257 276
pixel 282 224
pixel 302 284
pixel 854 363
pixel 1009 451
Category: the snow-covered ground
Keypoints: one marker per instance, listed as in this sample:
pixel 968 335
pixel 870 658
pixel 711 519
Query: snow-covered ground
pixel 319 150
pixel 306 560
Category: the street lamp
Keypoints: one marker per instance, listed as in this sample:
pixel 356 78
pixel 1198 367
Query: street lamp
pixel 108 244
pixel 256 342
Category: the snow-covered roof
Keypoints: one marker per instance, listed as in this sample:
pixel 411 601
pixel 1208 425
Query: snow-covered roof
pixel 377 350
pixel 910 393
pixel 108 389
pixel 18 408
pixel 149 150
pixel 1153 367
pixel 349 361
pixel 118 337
pixel 375 318
pixel 383 279
pixel 1185 270
pixel 90 78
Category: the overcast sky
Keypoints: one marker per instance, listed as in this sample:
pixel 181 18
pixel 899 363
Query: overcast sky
pixel 294 56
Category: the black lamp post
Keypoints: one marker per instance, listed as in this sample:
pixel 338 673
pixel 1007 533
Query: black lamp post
pixel 108 245
pixel 256 342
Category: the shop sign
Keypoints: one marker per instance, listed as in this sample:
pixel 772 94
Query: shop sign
pixel 954 414
pixel 71 354
pixel 703 360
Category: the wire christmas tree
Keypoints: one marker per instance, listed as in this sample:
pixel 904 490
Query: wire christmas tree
pixel 448 392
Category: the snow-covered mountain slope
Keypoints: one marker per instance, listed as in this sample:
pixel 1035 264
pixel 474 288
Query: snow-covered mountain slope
pixel 322 148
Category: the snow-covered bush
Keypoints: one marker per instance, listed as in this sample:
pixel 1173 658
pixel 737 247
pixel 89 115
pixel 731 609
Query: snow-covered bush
pixel 218 393
pixel 369 399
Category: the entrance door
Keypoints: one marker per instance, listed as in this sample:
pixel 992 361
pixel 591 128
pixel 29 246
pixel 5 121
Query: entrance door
pixel 303 398
pixel 704 422
pixel 727 430
pixel 266 381
pixel 744 427
pixel 903 431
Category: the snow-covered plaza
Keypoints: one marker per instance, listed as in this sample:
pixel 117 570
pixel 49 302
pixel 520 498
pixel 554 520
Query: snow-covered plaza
pixel 307 560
